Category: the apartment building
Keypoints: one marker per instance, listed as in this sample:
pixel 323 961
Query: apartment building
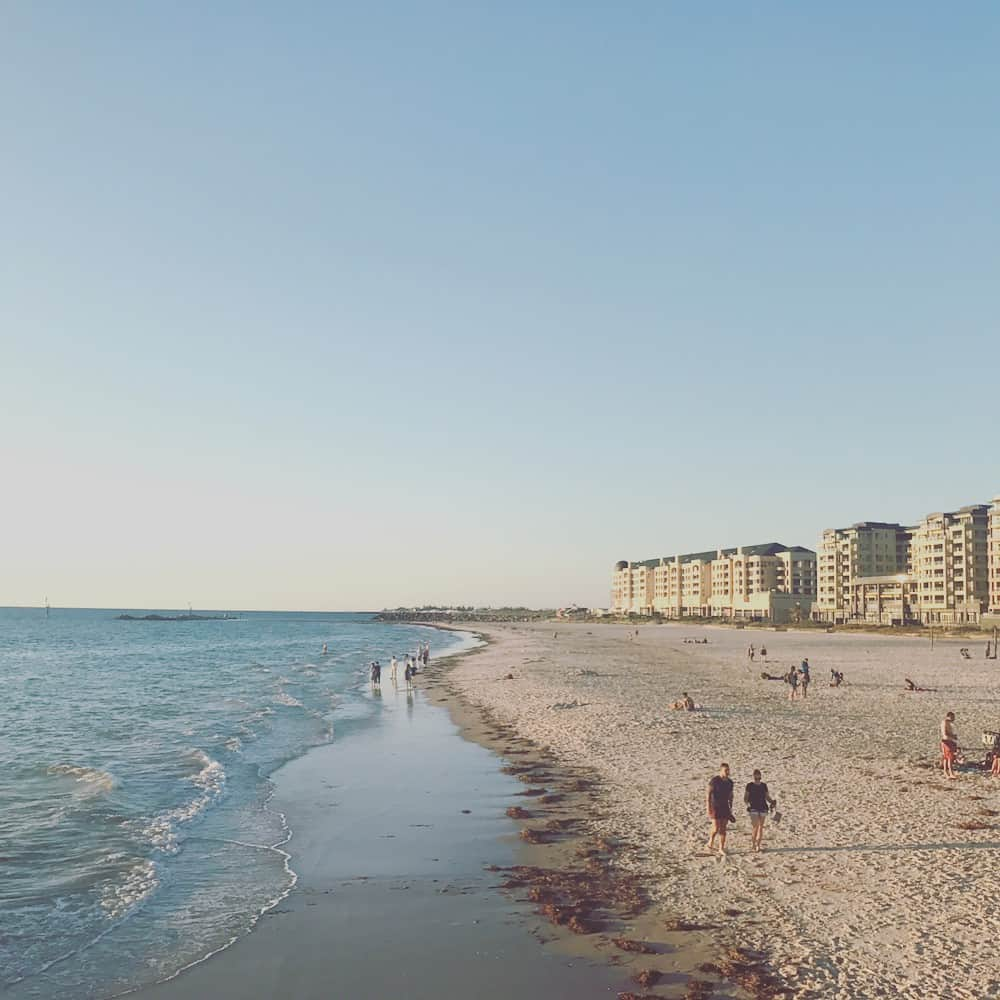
pixel 949 571
pixel 936 572
pixel 865 549
pixel 993 557
pixel 771 582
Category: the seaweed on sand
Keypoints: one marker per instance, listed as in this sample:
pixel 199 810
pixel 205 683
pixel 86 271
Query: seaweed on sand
pixel 627 944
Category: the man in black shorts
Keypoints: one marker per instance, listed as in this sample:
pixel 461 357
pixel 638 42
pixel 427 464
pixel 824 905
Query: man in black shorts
pixel 720 806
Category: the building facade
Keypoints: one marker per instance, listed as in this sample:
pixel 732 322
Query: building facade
pixel 993 557
pixel 770 582
pixel 944 570
pixel 866 549
pixel 948 566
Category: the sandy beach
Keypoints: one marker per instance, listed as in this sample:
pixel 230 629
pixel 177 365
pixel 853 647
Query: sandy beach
pixel 882 876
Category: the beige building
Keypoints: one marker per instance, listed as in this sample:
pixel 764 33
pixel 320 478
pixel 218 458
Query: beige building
pixel 881 600
pixel 771 582
pixel 949 570
pixel 866 549
pixel 937 572
pixel 993 557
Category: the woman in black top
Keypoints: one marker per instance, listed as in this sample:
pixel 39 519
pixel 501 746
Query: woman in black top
pixel 757 799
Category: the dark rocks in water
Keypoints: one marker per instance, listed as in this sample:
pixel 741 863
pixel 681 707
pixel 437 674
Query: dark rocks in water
pixel 175 618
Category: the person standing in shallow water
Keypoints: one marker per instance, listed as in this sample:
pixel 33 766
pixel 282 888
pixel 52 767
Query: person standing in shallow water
pixel 720 806
pixel 758 799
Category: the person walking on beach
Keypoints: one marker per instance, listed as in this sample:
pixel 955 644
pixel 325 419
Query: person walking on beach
pixel 804 671
pixel 750 652
pixel 792 679
pixel 763 653
pixel 757 798
pixel 393 668
pixel 408 675
pixel 949 745
pixel 720 807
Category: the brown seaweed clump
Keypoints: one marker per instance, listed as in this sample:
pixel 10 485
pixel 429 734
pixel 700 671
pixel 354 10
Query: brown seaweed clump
pixel 974 824
pixel 751 970
pixel 533 835
pixel 581 899
pixel 626 944
pixel 646 978
pixel 516 812
pixel 698 989
pixel 533 791
pixel 676 924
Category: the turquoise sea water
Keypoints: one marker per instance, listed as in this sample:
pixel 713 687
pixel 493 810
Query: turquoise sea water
pixel 135 833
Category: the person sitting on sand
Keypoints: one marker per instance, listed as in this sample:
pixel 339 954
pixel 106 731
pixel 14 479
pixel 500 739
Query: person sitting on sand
pixel 720 807
pixel 966 655
pixel 949 744
pixel 836 678
pixel 684 704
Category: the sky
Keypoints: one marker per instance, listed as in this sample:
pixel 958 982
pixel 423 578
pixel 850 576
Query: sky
pixel 349 306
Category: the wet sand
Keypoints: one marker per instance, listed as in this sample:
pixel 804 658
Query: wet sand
pixel 394 827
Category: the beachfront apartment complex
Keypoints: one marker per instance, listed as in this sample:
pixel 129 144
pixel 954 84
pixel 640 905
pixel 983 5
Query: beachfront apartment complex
pixel 770 582
pixel 944 570
pixel 993 556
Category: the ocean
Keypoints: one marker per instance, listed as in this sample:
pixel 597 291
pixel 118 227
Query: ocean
pixel 136 836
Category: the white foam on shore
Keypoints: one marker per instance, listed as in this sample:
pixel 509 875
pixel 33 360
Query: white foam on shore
pixel 163 830
pixel 293 878
pixel 139 883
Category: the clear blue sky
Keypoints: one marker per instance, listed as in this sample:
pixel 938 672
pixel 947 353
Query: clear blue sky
pixel 344 306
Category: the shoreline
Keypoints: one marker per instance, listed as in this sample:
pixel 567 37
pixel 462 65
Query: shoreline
pixel 564 860
pixel 372 879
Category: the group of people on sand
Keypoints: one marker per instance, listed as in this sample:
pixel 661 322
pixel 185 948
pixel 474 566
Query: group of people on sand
pixel 697 642
pixel 752 653
pixel 758 800
pixel 951 752
pixel 798 679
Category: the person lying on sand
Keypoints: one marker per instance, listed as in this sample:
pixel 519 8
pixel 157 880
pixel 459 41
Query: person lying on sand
pixel 910 686
pixel 765 676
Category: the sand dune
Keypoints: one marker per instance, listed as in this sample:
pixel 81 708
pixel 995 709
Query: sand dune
pixel 870 886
